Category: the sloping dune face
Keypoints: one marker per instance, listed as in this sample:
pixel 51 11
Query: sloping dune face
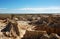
pixel 16 29
pixel 2 24
pixel 23 26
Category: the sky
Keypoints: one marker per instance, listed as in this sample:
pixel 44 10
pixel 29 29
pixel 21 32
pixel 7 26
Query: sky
pixel 29 6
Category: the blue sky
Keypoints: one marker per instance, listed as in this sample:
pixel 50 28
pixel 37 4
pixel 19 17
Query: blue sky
pixel 29 6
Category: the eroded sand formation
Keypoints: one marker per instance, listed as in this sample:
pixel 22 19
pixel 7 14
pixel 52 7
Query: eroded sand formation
pixel 36 27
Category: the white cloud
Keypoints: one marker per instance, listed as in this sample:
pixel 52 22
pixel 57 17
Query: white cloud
pixel 3 8
pixel 38 9
pixel 32 10
pixel 48 9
